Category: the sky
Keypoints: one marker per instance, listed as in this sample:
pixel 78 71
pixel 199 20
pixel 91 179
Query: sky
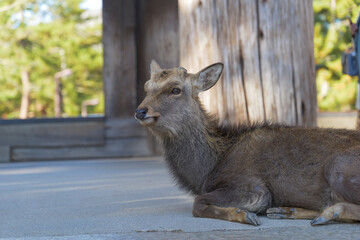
pixel 87 4
pixel 92 4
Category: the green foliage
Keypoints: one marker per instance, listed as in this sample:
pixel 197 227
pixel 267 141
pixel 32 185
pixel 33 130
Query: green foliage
pixel 336 91
pixel 45 37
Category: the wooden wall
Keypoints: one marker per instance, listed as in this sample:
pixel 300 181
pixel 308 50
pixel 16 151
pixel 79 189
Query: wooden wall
pixel 72 138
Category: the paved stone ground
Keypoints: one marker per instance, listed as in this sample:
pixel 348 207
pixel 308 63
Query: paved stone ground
pixel 337 120
pixel 122 199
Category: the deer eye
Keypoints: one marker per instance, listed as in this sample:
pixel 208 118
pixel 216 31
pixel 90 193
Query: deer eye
pixel 163 74
pixel 176 91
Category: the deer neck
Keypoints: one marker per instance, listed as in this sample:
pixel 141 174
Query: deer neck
pixel 193 152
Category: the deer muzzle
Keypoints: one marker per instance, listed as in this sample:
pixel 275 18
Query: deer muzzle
pixel 145 117
pixel 140 113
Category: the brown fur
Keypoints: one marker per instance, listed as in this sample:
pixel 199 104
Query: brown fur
pixel 293 172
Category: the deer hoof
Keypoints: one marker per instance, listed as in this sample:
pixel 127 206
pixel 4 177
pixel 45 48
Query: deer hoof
pixel 252 218
pixel 319 221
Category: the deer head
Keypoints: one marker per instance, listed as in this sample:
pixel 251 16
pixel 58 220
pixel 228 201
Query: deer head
pixel 172 95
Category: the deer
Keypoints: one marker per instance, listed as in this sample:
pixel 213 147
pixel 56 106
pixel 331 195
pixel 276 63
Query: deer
pixel 237 173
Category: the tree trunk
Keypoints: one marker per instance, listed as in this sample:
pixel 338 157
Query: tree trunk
pixel 25 98
pixel 267 49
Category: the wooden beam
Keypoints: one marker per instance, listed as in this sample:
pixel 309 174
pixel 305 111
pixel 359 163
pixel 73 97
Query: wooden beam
pixel 127 147
pixel 119 58
pixel 52 134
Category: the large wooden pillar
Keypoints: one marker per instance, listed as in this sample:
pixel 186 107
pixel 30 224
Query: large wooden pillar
pixel 123 134
pixel 287 61
pixel 157 37
pixel 267 49
pixel 119 44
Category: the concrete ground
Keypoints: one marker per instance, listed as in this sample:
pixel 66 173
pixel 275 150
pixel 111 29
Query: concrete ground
pixel 122 199
pixel 337 119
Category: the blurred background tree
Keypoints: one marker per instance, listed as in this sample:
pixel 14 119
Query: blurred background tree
pixel 39 38
pixel 336 91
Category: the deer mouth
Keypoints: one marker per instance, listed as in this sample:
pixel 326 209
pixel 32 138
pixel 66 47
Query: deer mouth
pixel 149 120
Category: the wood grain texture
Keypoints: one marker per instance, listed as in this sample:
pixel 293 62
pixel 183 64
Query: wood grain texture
pixel 119 43
pixel 232 85
pixel 287 61
pixel 304 63
pixel 199 47
pixel 248 29
pixel 223 31
pixel 267 49
pixel 277 61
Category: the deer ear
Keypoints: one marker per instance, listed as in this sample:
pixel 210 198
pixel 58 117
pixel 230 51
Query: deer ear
pixel 154 66
pixel 207 77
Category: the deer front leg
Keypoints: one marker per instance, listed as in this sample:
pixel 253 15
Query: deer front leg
pixel 291 213
pixel 207 206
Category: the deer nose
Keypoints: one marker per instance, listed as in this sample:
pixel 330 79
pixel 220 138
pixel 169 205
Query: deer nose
pixel 141 113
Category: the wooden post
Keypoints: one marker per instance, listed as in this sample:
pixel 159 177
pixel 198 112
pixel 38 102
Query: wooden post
pixel 119 58
pixel 58 98
pixel 25 97
pixel 86 103
pixel 267 49
pixel 120 79
pixel 287 61
pixel 157 37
